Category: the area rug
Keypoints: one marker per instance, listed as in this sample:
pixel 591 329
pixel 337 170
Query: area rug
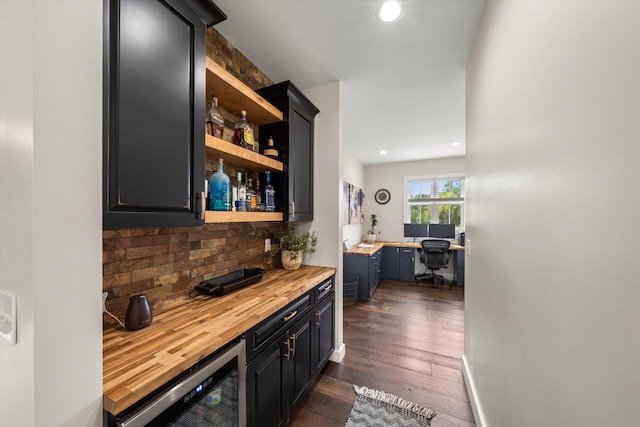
pixel 377 408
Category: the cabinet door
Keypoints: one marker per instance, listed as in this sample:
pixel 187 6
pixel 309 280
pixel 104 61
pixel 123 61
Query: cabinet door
pixel 407 265
pixel 373 267
pixel 459 268
pixel 154 108
pixel 301 362
pixel 301 165
pixel 294 140
pixel 325 333
pixel 389 263
pixel 267 405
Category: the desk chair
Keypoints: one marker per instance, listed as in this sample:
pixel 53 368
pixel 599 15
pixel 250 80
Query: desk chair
pixel 434 255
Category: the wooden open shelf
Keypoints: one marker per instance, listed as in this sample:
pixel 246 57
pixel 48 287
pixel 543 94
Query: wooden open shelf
pixel 233 95
pixel 240 157
pixel 221 216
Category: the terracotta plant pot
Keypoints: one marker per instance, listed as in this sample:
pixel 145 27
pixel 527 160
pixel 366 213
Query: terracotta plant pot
pixel 291 264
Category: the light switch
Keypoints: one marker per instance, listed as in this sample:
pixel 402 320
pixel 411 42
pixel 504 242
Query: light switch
pixel 8 327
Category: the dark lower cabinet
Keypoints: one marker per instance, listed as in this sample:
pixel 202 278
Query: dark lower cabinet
pixel 407 262
pixel 294 140
pixel 368 269
pixel 279 376
pixel 398 263
pixel 153 112
pixel 266 391
pixel 325 337
pixel 459 265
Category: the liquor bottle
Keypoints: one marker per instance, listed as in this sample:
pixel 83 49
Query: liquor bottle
pixel 271 151
pixel 258 193
pixel 215 122
pixel 269 195
pixel 234 196
pixel 242 195
pixel 251 196
pixel 243 135
pixel 219 187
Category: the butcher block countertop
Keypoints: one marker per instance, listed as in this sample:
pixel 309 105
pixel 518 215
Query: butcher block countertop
pixel 135 363
pixel 369 248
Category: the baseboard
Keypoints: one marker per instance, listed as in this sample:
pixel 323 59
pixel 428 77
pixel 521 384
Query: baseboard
pixel 338 354
pixel 476 407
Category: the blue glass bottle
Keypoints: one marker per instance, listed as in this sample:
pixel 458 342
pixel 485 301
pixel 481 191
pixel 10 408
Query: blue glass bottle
pixel 220 187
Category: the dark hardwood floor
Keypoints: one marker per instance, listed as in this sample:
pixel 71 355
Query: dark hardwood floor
pixel 408 341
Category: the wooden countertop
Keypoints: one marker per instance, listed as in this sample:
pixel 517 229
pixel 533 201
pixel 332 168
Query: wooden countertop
pixel 372 247
pixel 135 363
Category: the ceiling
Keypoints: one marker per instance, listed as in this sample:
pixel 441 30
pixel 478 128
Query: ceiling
pixel 402 83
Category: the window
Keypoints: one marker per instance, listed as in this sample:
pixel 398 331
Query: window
pixel 435 200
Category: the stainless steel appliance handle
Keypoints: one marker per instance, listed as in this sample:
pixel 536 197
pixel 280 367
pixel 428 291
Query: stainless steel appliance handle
pixel 150 411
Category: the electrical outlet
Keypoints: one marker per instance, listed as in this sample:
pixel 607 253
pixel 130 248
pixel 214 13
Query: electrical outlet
pixel 105 295
pixel 267 245
pixel 8 317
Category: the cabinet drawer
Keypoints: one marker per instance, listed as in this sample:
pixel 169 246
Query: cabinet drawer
pixel 323 290
pixel 261 335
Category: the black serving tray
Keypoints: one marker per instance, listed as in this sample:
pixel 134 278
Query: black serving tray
pixel 230 282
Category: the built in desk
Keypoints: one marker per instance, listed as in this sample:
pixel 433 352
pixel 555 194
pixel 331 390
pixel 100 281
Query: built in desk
pixel 374 261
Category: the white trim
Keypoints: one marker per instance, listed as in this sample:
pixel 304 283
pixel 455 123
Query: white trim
pixel 406 217
pixel 478 414
pixel 338 355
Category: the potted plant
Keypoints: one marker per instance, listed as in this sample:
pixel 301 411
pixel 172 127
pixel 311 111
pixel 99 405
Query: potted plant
pixel 371 234
pixel 293 245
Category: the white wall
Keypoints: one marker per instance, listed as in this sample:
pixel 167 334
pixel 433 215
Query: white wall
pixel 327 193
pixel 391 177
pixel 50 215
pixel 353 173
pixel 552 294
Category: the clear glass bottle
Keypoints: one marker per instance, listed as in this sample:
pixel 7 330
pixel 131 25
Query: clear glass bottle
pixel 215 122
pixel 219 185
pixel 243 134
pixel 269 195
pixel 242 195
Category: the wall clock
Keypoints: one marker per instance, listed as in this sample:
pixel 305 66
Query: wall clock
pixel 382 196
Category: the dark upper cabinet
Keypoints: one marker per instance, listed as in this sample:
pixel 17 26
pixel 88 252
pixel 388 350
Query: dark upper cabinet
pixel 154 112
pixel 294 139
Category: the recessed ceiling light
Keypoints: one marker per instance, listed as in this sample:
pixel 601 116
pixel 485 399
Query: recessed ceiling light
pixel 455 144
pixel 382 152
pixel 390 11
